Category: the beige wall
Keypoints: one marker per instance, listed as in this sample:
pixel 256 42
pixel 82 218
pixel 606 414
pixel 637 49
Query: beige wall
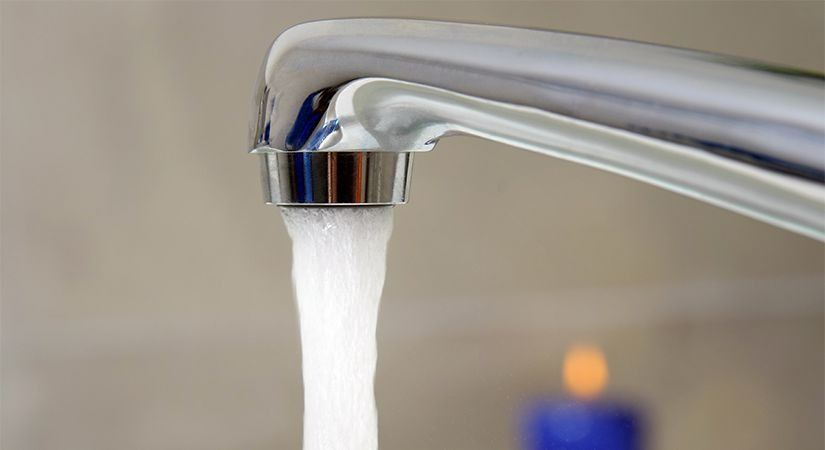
pixel 146 298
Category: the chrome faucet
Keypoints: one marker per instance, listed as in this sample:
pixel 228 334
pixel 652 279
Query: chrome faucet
pixel 341 106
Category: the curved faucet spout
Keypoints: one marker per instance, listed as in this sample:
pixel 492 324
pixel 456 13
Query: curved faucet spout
pixel 342 105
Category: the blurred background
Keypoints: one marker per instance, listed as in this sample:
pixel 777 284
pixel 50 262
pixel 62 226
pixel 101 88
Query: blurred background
pixel 146 297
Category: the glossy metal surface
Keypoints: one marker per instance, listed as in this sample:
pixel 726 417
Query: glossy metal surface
pixel 734 133
pixel 339 178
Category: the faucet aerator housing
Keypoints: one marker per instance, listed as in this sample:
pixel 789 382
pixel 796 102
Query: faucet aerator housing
pixel 336 178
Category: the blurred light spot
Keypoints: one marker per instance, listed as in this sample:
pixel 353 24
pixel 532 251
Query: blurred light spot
pixel 585 371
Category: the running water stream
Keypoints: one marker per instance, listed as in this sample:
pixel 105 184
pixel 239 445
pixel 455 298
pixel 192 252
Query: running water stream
pixel 339 261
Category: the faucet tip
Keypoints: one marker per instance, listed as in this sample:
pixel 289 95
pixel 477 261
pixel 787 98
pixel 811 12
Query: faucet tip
pixel 306 178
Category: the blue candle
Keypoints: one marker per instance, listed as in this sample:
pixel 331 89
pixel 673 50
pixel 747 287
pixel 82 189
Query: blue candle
pixel 570 424
pixel 581 421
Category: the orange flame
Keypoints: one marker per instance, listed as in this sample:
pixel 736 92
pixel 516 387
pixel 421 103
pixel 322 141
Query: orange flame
pixel 585 371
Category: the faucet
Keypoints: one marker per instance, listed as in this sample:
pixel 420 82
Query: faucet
pixel 341 107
